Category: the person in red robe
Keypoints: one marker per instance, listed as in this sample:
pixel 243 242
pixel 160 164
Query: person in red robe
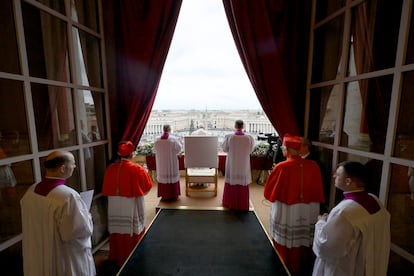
pixel 296 191
pixel 125 184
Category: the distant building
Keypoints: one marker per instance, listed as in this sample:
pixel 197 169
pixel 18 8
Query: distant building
pixel 220 122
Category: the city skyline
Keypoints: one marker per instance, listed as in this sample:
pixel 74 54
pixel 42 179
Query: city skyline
pixel 219 122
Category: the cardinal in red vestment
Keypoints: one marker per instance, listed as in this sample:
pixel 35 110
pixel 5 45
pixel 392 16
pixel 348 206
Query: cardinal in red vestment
pixel 296 191
pixel 125 184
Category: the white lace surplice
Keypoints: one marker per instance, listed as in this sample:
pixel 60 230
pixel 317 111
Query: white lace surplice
pixel 126 215
pixel 293 225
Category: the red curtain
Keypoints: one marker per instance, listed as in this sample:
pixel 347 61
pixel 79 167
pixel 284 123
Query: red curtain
pixel 375 92
pixel 272 38
pixel 144 35
pixel 362 44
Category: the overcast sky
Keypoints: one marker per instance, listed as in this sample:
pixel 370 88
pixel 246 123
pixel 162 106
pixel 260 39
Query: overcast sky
pixel 203 68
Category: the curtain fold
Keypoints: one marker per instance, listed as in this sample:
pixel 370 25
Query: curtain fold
pixel 266 34
pixel 143 38
pixel 56 60
pixel 362 46
pixel 375 92
pixel 91 59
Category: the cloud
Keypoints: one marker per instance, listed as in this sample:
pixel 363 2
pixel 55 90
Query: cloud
pixel 203 68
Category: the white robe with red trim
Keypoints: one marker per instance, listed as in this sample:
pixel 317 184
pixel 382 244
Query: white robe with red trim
pixel 166 156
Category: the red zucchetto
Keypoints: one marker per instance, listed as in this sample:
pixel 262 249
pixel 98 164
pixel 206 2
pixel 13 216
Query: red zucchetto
pixel 125 149
pixel 293 142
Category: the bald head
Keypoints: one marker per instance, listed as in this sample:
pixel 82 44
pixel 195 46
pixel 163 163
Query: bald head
pixel 60 164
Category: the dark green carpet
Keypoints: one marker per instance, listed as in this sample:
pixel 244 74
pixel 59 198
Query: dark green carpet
pixel 204 242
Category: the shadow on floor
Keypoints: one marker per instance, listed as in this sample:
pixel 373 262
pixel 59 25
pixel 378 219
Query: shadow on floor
pixel 107 268
pixel 104 267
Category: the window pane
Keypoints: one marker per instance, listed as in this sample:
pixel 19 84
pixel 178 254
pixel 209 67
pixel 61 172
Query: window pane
pixel 399 265
pixel 322 120
pixel 14 180
pixel 11 260
pixel 14 139
pixel 366 114
pixel 327 7
pixel 57 5
pixel 87 59
pixel 99 217
pixel 351 157
pixel 91 114
pixel 327 50
pixel 410 43
pixel 374 171
pixel 95 165
pixel 9 56
pixel 86 13
pixel 405 127
pixel 55 124
pixel 325 165
pixel 400 205
pixel 46 44
pixel 375 27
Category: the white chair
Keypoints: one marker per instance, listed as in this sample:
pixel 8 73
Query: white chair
pixel 201 163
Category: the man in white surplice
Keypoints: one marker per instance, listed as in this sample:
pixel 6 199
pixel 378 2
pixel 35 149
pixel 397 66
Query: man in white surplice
pixel 167 147
pixel 354 239
pixel 56 224
pixel 237 178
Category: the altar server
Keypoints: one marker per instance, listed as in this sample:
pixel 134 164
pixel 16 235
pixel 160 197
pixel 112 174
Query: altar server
pixel 237 177
pixel 354 239
pixel 167 147
pixel 56 224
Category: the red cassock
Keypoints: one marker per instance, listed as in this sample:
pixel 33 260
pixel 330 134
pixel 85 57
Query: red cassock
pixel 122 181
pixel 295 180
pixel 291 182
pixel 125 178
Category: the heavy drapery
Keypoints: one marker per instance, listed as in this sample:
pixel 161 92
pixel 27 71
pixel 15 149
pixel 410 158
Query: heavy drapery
pixel 271 37
pixel 375 92
pixel 143 40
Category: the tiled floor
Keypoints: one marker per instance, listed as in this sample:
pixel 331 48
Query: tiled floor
pixel 198 200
